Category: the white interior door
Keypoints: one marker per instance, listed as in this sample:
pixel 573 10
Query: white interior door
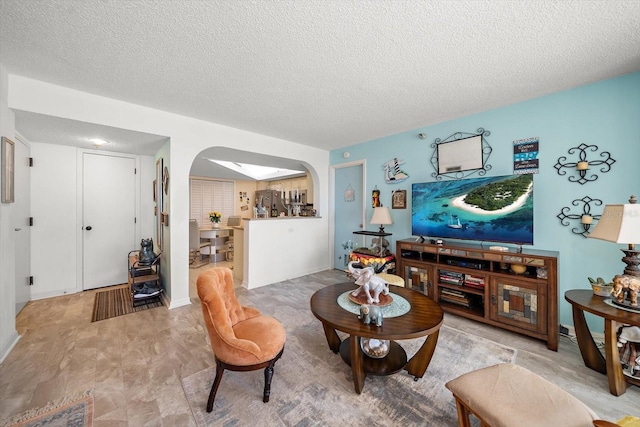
pixel 108 218
pixel 349 210
pixel 20 222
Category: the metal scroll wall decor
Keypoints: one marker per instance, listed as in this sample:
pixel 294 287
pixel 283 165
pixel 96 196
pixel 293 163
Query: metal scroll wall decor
pixel 582 165
pixel 461 154
pixel 586 218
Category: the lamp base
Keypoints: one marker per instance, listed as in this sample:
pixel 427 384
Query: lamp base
pixel 632 261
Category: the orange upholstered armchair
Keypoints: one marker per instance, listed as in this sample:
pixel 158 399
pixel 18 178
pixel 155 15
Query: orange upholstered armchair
pixel 242 338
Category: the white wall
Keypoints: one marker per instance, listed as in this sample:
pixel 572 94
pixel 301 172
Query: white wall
pixel 8 334
pixel 188 137
pixel 272 249
pixel 165 264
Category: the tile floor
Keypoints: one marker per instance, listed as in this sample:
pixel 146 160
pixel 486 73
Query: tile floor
pixel 135 363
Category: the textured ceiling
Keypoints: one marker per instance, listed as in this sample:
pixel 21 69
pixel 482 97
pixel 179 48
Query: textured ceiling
pixel 322 73
pixel 54 130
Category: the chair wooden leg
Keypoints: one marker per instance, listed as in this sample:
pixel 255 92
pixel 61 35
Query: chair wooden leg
pixel 214 387
pixel 463 414
pixel 268 375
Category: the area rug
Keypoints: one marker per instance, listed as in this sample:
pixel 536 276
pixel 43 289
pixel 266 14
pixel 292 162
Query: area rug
pixel 312 386
pixel 116 301
pixel 71 411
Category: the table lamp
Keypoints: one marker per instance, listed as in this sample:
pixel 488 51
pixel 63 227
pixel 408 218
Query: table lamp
pixel 382 217
pixel 621 224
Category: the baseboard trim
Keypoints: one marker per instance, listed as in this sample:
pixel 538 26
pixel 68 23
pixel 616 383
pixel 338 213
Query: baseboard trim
pixel 598 337
pixel 567 330
pixel 175 304
pixel 8 346
pixel 51 294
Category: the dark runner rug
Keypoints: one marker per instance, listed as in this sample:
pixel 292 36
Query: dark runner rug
pixel 116 301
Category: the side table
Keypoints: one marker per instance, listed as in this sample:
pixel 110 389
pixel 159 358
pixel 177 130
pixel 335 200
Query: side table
pixel 582 300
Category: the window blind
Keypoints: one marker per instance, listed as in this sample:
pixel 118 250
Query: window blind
pixel 207 195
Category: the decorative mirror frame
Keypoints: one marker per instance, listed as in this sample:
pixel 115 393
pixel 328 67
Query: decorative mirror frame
pixel 463 155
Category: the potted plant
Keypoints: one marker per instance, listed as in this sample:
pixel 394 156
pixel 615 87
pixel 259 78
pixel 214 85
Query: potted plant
pixel 215 218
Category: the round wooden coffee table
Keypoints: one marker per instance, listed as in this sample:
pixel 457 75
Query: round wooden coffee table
pixel 424 318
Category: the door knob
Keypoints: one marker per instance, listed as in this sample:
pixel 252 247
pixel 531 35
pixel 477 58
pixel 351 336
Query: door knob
pixel 88 227
pixel 17 229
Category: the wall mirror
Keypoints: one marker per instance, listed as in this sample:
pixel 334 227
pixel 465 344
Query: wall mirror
pixel 461 154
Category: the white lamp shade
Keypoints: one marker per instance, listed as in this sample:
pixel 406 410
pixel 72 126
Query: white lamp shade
pixel 381 216
pixel 619 224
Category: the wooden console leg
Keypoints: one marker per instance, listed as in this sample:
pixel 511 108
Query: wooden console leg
pixel 617 383
pixel 588 349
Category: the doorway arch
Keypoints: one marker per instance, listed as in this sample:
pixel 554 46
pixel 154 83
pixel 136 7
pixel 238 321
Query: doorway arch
pixel 202 167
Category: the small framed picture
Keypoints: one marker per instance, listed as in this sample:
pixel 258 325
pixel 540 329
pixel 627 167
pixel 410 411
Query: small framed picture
pixel 399 199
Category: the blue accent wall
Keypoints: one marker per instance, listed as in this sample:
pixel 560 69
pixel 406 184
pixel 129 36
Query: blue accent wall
pixel 605 114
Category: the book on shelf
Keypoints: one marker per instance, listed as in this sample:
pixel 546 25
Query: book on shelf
pixel 460 298
pixel 451 277
pixel 473 281
pixel 452 292
pixel 463 303
pixel 454 296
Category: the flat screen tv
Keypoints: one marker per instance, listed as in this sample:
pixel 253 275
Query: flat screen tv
pixel 494 209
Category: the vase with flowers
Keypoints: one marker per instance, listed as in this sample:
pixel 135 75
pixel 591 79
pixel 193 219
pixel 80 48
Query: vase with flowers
pixel 215 218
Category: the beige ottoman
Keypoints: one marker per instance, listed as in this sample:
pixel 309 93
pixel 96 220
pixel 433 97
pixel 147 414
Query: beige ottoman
pixel 392 279
pixel 509 395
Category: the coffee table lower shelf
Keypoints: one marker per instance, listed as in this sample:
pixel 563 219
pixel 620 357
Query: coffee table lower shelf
pixel 392 363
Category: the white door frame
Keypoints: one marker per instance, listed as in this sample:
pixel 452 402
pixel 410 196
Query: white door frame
pixel 21 226
pixel 80 204
pixel 332 203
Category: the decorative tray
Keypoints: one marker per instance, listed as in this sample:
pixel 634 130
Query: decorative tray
pixel 626 304
pixel 385 300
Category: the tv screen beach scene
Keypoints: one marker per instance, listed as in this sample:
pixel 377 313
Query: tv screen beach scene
pixel 495 209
